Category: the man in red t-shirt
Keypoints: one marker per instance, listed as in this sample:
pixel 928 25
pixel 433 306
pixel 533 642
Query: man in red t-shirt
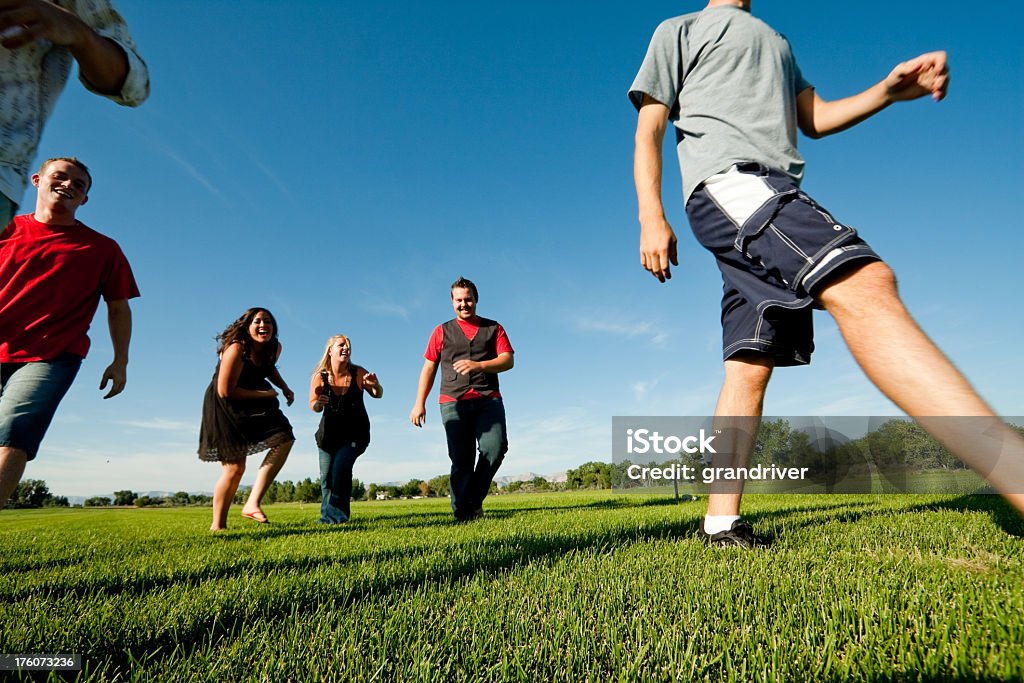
pixel 53 270
pixel 470 351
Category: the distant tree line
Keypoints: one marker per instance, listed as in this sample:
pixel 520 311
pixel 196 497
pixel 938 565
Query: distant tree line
pixel 894 446
pixel 34 493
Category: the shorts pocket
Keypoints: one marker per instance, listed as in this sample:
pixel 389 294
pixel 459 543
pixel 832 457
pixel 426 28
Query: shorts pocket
pixel 760 220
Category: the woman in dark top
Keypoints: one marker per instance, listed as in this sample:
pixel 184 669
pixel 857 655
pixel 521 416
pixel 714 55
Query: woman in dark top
pixel 241 415
pixel 336 390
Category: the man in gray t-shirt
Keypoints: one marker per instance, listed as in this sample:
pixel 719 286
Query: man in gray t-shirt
pixel 730 86
pixel 728 105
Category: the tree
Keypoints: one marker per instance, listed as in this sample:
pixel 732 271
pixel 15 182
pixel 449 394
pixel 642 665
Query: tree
pixel 358 490
pixel 124 497
pixel 440 485
pixel 285 492
pixel 241 495
pixel 30 493
pixel 411 488
pixel 308 491
pixel 371 492
pixel 180 498
pixel 590 475
pixel 271 495
pixel 542 484
pixel 97 502
pixel 772 445
pixel 56 502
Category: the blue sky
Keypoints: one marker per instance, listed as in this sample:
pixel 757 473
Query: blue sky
pixel 341 163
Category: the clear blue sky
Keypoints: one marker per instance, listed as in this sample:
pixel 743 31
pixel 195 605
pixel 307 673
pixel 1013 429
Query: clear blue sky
pixel 341 163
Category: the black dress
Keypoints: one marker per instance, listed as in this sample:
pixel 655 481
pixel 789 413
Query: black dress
pixel 233 429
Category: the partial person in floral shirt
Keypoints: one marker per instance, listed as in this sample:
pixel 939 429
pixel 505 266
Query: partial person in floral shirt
pixel 38 42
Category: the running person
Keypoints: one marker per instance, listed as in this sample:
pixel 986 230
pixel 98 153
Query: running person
pixel 731 87
pixel 336 390
pixel 470 352
pixel 241 414
pixel 53 271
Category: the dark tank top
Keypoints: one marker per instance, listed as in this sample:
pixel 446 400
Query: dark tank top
pixel 344 419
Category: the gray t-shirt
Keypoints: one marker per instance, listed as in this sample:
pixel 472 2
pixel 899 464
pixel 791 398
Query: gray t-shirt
pixel 730 82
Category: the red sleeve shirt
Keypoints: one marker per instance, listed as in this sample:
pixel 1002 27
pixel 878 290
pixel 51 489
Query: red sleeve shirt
pixel 51 281
pixel 436 341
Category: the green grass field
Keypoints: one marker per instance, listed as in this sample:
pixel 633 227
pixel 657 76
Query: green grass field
pixel 547 587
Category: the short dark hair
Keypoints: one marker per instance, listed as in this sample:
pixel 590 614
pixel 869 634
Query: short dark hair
pixel 463 283
pixel 71 160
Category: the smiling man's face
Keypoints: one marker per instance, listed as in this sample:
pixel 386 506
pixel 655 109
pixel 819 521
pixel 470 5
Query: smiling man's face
pixel 464 303
pixel 63 187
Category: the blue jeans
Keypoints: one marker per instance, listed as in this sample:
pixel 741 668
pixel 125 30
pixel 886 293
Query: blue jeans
pixel 29 395
pixel 336 482
pixel 470 424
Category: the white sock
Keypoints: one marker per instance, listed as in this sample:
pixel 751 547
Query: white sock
pixel 714 524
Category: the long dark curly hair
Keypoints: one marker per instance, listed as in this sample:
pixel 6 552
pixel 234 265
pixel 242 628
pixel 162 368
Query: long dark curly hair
pixel 238 331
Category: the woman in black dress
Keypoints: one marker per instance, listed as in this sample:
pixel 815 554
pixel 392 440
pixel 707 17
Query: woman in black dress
pixel 336 390
pixel 241 415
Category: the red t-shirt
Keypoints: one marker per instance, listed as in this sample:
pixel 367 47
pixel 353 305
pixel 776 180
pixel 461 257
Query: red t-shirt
pixel 436 341
pixel 51 281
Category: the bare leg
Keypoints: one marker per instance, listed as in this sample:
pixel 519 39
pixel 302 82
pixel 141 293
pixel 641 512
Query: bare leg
pixel 12 466
pixel 738 415
pixel 908 368
pixel 272 464
pixel 224 492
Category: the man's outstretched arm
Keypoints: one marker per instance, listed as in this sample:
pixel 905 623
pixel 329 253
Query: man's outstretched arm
pixel 657 239
pixel 101 62
pixel 927 74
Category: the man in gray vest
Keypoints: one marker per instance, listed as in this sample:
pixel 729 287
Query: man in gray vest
pixel 730 86
pixel 470 351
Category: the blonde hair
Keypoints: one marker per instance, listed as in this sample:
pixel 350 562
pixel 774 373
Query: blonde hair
pixel 325 361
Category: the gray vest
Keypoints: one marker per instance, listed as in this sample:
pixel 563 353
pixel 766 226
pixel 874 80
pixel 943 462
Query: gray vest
pixel 456 347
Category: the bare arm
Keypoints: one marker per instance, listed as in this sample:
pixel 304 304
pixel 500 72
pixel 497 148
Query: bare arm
pixel 230 371
pixel 927 74
pixel 119 322
pixel 369 382
pixel 500 363
pixel 101 61
pixel 418 415
pixel 657 239
pixel 278 381
pixel 317 399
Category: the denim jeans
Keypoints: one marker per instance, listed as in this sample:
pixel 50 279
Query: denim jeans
pixel 29 395
pixel 336 482
pixel 468 425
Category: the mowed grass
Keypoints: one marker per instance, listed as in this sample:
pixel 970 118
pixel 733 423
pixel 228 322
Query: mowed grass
pixel 547 587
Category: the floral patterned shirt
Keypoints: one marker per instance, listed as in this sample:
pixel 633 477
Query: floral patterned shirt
pixel 32 77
